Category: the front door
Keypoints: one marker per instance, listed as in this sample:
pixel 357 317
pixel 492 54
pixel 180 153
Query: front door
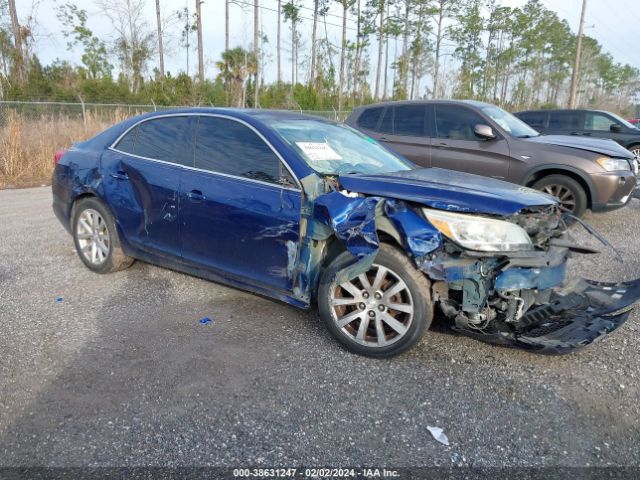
pixel 455 146
pixel 237 216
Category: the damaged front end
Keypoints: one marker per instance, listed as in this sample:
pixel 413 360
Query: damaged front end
pixel 512 295
pixel 519 298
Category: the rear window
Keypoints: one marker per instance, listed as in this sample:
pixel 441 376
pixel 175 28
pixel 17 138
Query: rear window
pixel 370 117
pixel 534 119
pixel 564 120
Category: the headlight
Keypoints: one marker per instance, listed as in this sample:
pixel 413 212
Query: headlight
pixel 613 164
pixel 479 233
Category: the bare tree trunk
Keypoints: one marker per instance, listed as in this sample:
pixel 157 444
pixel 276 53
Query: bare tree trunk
pixel 226 25
pixel 256 52
pixel 17 38
pixel 342 55
pixel 293 56
pixel 200 52
pixel 160 49
pixel 312 74
pixel 380 49
pixel 356 79
pixel 436 67
pixel 386 63
pixel 405 49
pixel 278 43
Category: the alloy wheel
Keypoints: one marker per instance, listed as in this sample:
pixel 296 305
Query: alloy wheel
pixel 93 236
pixel 374 309
pixel 565 195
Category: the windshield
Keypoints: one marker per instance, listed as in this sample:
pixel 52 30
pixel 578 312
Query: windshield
pixel 332 148
pixel 623 121
pixel 511 124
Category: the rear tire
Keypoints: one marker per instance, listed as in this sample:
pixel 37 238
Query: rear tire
pixel 573 198
pixel 381 313
pixel 96 237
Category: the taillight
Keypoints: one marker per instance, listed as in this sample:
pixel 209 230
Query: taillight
pixel 58 155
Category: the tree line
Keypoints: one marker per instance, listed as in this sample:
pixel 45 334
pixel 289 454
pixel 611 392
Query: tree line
pixel 386 49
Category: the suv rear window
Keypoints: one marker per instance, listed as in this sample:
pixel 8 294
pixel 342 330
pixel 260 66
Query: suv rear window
pixel 409 120
pixel 370 117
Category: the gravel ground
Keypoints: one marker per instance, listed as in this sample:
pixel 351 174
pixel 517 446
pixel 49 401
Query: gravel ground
pixel 122 373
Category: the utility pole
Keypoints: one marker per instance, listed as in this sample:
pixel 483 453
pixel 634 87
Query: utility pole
pixel 200 54
pixel 576 66
pixel 160 49
pixel 256 51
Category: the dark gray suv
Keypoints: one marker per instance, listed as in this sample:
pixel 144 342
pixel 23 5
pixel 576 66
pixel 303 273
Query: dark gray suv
pixel 481 138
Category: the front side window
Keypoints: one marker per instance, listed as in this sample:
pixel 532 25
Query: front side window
pixel 229 147
pixel 456 123
pixel 534 119
pixel 598 121
pixel 333 149
pixel 567 119
pixel 409 120
pixel 167 139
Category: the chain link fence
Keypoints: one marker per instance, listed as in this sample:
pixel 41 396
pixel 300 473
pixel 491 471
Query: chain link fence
pixel 107 111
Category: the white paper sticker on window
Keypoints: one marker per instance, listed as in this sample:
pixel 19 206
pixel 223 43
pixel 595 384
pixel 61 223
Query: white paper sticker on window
pixel 318 151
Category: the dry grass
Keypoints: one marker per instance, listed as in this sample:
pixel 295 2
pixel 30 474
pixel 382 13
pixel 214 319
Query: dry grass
pixel 27 145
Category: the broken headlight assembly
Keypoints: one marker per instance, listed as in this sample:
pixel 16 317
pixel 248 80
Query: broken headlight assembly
pixel 479 233
pixel 613 164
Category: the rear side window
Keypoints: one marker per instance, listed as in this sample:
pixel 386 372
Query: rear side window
pixel 370 117
pixel 457 123
pixel 409 120
pixel 167 139
pixel 534 119
pixel 229 147
pixel 387 121
pixel 564 120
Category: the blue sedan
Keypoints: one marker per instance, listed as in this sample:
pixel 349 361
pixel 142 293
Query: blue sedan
pixel 309 211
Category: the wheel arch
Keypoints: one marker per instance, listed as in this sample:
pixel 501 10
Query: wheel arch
pixel 546 170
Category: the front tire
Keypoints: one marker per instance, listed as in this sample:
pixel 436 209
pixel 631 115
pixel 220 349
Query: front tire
pixel 96 237
pixel 573 198
pixel 380 313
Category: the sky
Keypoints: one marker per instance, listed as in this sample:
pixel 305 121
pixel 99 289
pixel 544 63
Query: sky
pixel 614 23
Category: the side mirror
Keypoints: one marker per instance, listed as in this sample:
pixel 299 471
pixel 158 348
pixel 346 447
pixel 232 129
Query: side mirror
pixel 615 127
pixel 484 131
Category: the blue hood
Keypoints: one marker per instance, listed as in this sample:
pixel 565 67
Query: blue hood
pixel 449 190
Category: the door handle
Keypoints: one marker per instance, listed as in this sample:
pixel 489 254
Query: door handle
pixel 442 144
pixel 120 175
pixel 575 133
pixel 196 196
pixel 382 138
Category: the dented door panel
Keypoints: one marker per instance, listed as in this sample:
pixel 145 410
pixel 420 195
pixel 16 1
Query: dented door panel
pixel 143 195
pixel 246 229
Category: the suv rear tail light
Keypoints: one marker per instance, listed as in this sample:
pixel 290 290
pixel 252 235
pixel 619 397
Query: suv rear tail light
pixel 58 155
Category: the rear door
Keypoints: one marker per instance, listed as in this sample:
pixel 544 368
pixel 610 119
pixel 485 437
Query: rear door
pixel 142 174
pixel 566 122
pixel 401 128
pixel 456 147
pixel 240 206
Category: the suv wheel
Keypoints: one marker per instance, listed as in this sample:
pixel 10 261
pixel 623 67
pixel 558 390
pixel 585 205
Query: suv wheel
pixel 573 198
pixel 635 149
pixel 380 313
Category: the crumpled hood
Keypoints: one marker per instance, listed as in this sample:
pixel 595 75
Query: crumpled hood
pixel 449 190
pixel 596 145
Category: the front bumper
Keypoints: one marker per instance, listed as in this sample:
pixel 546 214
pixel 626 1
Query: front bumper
pixel 574 318
pixel 613 190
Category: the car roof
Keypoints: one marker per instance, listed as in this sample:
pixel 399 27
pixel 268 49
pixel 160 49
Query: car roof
pixel 258 114
pixel 474 103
